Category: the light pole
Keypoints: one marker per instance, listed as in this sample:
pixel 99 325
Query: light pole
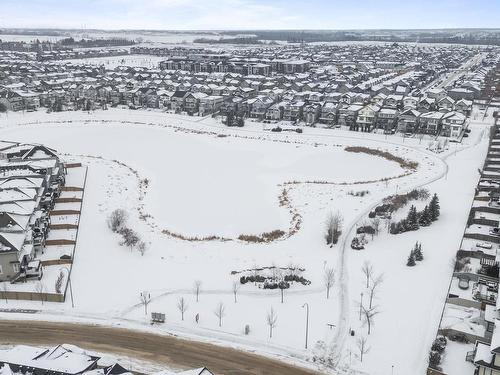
pixel 361 306
pixel 70 287
pixel 306 305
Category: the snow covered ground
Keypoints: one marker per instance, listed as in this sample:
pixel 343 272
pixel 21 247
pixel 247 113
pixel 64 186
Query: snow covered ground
pixel 111 62
pixel 204 179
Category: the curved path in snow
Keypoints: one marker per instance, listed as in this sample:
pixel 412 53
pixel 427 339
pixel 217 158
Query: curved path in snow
pixel 339 340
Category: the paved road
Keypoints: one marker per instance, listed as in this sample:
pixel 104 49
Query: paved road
pixel 168 350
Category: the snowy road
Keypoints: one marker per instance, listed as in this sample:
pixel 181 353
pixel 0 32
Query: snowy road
pixel 167 350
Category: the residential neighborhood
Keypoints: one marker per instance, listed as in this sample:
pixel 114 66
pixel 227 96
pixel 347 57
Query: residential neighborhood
pixel 249 187
pixel 394 88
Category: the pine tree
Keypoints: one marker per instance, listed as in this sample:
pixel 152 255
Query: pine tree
pixel 411 259
pixel 419 256
pixel 412 219
pixel 434 208
pixel 424 217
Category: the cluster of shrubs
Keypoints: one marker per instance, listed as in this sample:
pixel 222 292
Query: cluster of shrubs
pixel 276 280
pixel 416 219
pixel 252 279
pixel 117 221
pixel 394 202
pixel 360 193
pixel 194 238
pixel 276 285
pixel 367 229
pixel 384 154
pixel 264 237
pixel 297 279
pixel 437 349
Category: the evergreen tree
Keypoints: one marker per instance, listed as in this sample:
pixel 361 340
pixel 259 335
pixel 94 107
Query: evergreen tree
pixel 412 219
pixel 434 208
pixel 229 118
pixel 411 259
pixel 424 217
pixel 419 256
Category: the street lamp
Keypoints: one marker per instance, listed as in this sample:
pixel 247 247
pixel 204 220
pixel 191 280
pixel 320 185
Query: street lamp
pixel 70 287
pixel 306 305
pixel 361 306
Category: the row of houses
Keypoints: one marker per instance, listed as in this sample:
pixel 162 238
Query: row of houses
pixel 362 91
pixel 65 360
pixel 31 178
pixel 471 315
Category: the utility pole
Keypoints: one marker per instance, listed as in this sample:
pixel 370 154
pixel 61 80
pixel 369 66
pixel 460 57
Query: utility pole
pixel 306 305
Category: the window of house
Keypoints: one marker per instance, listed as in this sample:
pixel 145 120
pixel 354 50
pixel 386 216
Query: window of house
pixel 1 271
pixel 16 267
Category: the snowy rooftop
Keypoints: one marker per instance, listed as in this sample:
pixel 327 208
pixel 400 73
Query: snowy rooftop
pixel 59 359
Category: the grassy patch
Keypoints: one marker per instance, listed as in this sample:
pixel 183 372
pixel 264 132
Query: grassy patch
pixel 406 164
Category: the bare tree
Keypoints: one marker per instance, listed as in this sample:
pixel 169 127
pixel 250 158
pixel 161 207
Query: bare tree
pixel 59 282
pixel 361 343
pixel 329 280
pixel 333 227
pixel 236 287
pixel 5 288
pixel 142 247
pixel 220 312
pixel 182 306
pixel 374 287
pixel 376 225
pixel 130 238
pixel 367 271
pixel 272 319
pixel 197 289
pixel 40 288
pixel 145 298
pixel 368 315
pixel 117 219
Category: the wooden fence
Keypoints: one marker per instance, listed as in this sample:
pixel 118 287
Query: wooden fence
pixel 63 226
pixel 64 212
pixel 59 242
pixel 56 262
pixel 32 296
pixel 71 188
pixel 73 165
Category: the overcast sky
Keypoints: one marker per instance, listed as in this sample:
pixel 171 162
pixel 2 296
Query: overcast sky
pixel 249 14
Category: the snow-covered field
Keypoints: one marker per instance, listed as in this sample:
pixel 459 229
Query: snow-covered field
pixel 111 62
pixel 204 179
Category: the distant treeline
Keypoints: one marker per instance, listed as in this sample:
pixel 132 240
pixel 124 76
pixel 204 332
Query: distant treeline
pixel 239 40
pixel 455 37
pixel 82 43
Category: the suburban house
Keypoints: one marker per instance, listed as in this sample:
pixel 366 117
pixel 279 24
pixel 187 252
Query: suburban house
pixel 453 124
pixel 275 112
pixel 210 104
pixel 177 101
pixel 387 119
pixel 367 117
pixel 408 121
pixel 328 113
pixel 293 111
pixel 430 122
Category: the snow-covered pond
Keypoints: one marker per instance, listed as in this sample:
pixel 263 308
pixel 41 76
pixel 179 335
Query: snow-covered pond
pixel 206 185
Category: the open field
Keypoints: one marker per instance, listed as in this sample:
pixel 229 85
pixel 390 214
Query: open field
pixel 204 180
